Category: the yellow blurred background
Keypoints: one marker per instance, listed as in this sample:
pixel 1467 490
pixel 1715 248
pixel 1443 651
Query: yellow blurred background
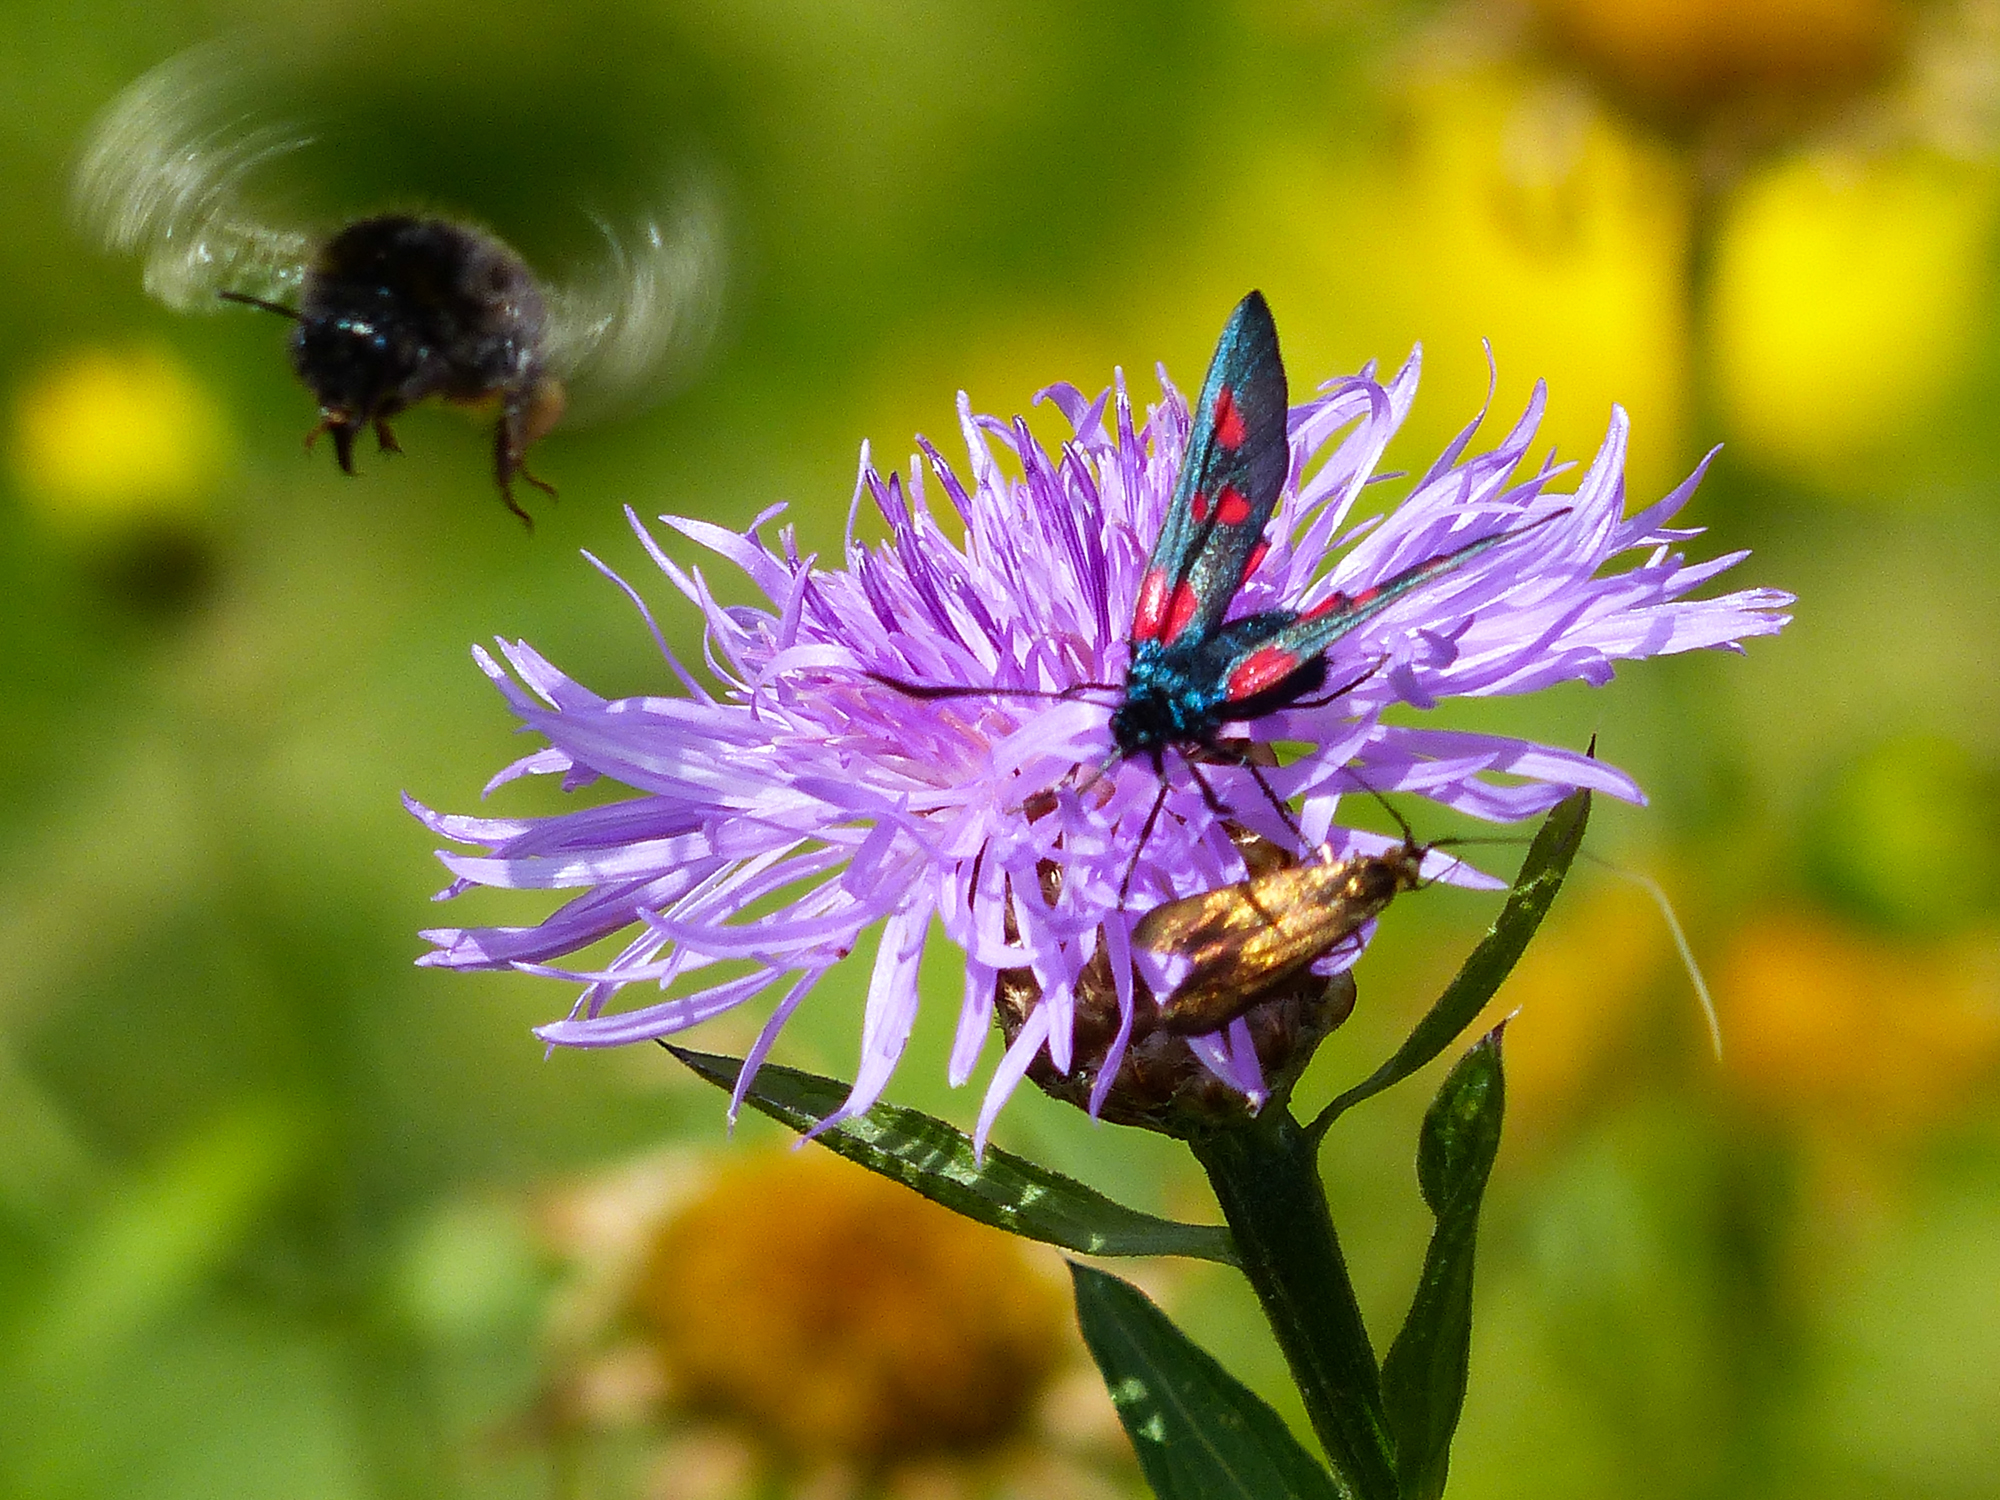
pixel 281 1215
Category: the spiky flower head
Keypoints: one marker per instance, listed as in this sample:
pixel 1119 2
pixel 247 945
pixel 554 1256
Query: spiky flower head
pixel 802 795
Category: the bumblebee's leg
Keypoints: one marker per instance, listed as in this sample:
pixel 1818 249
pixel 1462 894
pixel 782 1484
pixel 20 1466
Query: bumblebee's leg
pixel 343 440
pixel 507 461
pixel 343 444
pixel 385 440
pixel 541 484
pixel 507 494
pixel 511 437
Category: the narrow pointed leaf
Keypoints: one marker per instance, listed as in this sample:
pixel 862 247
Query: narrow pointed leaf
pixel 1542 874
pixel 1423 1379
pixel 936 1159
pixel 1200 1433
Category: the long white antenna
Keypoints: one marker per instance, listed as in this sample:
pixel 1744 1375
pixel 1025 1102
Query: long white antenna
pixel 1652 888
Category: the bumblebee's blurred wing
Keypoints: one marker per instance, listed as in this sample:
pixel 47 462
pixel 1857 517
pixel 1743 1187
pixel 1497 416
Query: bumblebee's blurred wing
pixel 162 178
pixel 631 331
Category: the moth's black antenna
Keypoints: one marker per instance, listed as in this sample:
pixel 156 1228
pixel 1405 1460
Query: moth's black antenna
pixel 929 693
pixel 271 307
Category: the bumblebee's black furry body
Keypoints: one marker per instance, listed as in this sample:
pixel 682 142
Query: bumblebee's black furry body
pixel 395 309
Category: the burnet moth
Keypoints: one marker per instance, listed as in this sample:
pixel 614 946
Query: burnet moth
pixel 1193 670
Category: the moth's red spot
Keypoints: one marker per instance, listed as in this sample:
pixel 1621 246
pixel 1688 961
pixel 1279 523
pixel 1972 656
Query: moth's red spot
pixel 1257 555
pixel 1199 506
pixel 1329 605
pixel 1231 509
pixel 1261 669
pixel 1228 421
pixel 1152 604
pixel 1179 612
pixel 1364 596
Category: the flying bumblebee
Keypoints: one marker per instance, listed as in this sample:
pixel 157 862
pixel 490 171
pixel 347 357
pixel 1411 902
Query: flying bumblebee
pixel 391 309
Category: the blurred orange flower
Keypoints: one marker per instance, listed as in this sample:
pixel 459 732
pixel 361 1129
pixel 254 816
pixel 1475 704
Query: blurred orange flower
pixel 1693 56
pixel 840 1313
pixel 795 1324
pixel 1575 1000
pixel 1841 1031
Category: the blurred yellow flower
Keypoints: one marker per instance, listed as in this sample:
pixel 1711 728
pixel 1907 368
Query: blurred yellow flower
pixel 1837 1029
pixel 1514 210
pixel 1503 207
pixel 1848 298
pixel 105 438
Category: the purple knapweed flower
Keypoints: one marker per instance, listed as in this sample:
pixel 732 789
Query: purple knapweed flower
pixel 774 819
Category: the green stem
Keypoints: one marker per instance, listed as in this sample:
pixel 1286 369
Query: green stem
pixel 1267 1180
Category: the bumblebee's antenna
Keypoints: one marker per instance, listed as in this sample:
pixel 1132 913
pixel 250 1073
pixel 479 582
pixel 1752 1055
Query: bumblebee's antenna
pixel 271 307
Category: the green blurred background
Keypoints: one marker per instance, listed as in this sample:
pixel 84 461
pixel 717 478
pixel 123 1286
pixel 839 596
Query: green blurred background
pixel 276 1208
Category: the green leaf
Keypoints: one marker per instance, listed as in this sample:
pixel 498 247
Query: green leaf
pixel 1535 888
pixel 1200 1433
pixel 1423 1379
pixel 935 1159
